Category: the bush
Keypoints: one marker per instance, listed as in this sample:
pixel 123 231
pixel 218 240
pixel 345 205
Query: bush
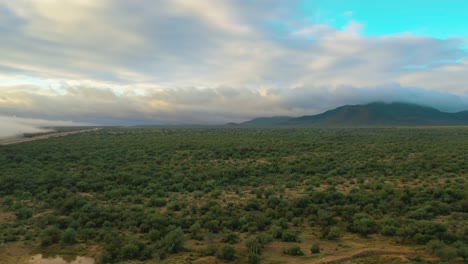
pixel 50 235
pixel 334 233
pixel 69 236
pixel 195 231
pixel 315 249
pixel 24 213
pixel 157 202
pixel 226 253
pixel 289 237
pixel 446 253
pixel 276 231
pixel 434 245
pixel 173 242
pixel 154 235
pixel 462 252
pixel 293 251
pixel 131 251
pixel 254 259
pixel 231 238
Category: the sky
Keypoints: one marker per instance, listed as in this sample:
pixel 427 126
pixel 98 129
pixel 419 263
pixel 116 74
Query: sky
pixel 124 62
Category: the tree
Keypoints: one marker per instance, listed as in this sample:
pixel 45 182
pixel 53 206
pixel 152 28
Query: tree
pixel 24 213
pixel 315 249
pixel 253 246
pixel 364 226
pixel 173 242
pixel 334 233
pixel 254 259
pixel 462 252
pixel 50 235
pixel 154 235
pixel 446 253
pixel 289 237
pixel 195 230
pixel 227 253
pixel 434 245
pixel 293 251
pixel 69 236
pixel 130 251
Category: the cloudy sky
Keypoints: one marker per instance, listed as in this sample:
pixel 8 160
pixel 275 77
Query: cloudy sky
pixel 215 61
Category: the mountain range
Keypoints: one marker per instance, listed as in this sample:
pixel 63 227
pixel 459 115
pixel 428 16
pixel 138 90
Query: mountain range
pixel 372 114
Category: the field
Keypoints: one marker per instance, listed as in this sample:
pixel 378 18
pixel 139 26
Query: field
pixel 239 195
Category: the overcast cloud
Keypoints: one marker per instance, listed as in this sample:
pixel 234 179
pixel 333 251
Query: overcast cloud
pixel 130 62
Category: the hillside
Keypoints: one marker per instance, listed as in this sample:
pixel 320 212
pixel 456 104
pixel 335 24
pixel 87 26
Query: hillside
pixel 261 121
pixel 373 114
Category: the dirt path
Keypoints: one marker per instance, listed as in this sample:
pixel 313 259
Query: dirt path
pixel 61 134
pixel 363 253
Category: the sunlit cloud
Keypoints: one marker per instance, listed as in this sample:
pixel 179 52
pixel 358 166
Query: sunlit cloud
pixel 122 62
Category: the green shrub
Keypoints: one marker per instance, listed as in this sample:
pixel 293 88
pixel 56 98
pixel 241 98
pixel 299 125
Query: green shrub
pixel 226 253
pixel 289 237
pixel 254 259
pixel 173 242
pixel 50 236
pixel 315 249
pixel 293 251
pixel 24 213
pixel 69 236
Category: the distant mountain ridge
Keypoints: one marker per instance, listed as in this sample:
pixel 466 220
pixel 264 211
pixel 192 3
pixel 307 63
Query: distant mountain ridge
pixel 372 114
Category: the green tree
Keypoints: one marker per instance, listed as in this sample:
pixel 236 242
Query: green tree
pixel 334 233
pixel 315 249
pixel 195 231
pixel 24 213
pixel 227 253
pixel 254 259
pixel 462 252
pixel 293 251
pixel 364 226
pixel 50 235
pixel 434 245
pixel 173 242
pixel 130 251
pixel 446 253
pixel 69 236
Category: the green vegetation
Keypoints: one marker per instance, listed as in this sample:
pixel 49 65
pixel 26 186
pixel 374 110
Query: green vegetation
pixel 315 249
pixel 153 194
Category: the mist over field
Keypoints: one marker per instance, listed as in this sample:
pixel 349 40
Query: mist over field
pixel 17 126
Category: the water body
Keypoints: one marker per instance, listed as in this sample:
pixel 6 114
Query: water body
pixel 66 259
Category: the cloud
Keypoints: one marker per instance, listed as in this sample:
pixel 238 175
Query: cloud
pixel 116 61
pixel 209 105
pixel 13 126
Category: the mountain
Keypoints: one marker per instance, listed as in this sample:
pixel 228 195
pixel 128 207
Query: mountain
pixel 373 114
pixel 267 121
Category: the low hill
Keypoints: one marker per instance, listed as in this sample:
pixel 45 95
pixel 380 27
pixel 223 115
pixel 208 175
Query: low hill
pixel 373 114
pixel 262 121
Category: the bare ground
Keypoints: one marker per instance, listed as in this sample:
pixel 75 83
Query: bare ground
pixel 363 253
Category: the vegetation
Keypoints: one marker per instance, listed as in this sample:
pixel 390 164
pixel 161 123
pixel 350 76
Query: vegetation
pixel 154 194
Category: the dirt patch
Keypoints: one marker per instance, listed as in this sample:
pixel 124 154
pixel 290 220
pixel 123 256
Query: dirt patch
pixel 43 213
pixel 363 253
pixel 206 260
pixel 85 194
pixel 14 253
pixel 6 217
